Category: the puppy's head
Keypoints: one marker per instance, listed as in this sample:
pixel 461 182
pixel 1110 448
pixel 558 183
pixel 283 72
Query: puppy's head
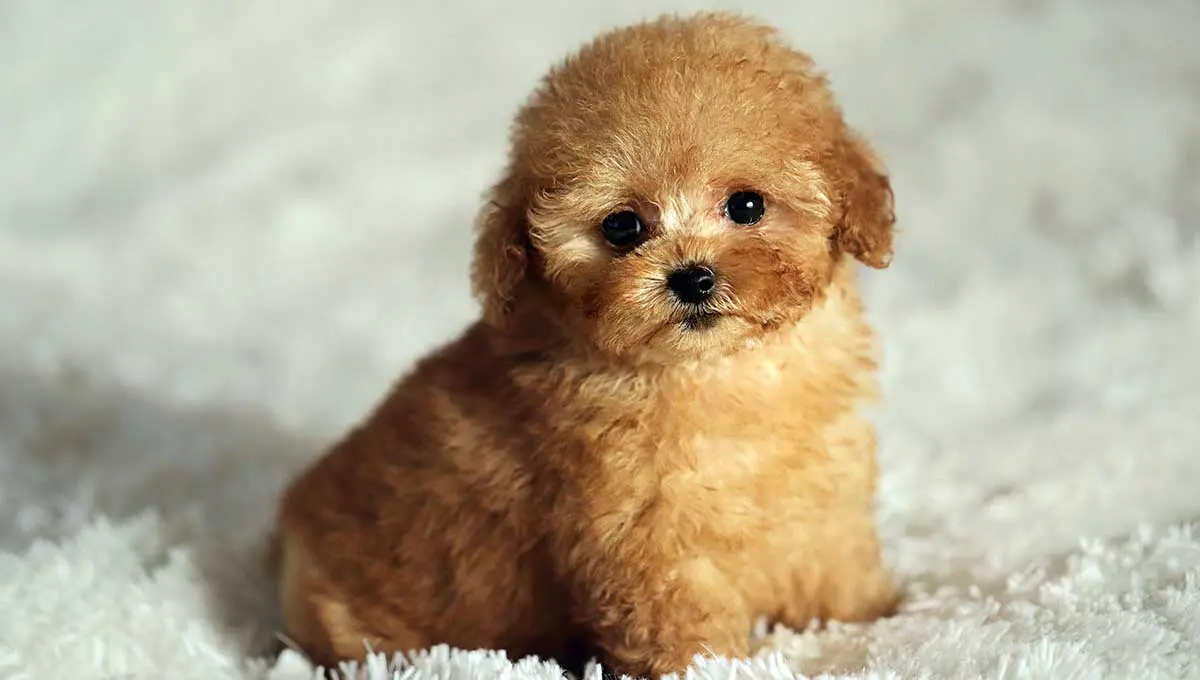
pixel 678 188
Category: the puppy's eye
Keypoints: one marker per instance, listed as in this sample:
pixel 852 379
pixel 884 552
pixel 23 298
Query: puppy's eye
pixel 745 207
pixel 623 229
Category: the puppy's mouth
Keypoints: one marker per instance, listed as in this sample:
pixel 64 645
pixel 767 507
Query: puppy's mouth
pixel 700 320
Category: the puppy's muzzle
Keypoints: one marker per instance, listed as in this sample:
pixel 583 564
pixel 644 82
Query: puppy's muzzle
pixel 693 284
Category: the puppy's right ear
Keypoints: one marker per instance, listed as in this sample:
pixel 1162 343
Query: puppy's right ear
pixel 501 257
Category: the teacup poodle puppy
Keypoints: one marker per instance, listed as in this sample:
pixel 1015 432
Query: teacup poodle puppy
pixel 653 436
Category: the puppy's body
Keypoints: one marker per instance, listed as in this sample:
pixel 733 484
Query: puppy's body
pixel 511 502
pixel 596 462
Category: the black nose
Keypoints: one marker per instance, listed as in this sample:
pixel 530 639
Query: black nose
pixel 692 284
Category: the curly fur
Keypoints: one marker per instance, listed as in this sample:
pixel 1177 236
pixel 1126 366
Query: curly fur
pixel 583 470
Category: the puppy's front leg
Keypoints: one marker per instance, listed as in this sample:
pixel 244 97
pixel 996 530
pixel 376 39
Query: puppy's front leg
pixel 848 581
pixel 653 618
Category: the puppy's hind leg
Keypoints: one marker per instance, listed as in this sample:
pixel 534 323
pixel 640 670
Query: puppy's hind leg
pixel 320 621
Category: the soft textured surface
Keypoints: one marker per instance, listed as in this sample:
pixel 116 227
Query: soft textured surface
pixel 225 227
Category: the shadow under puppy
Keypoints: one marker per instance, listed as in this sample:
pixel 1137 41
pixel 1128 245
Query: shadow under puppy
pixel 653 435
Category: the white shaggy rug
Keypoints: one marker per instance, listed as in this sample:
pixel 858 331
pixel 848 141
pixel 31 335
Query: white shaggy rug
pixel 226 227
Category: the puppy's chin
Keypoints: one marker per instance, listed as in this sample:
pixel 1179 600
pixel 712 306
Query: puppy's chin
pixel 666 336
pixel 637 319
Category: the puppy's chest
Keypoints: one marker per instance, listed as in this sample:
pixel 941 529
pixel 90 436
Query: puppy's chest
pixel 713 464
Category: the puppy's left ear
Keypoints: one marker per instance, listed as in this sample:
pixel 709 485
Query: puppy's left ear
pixel 864 196
pixel 501 258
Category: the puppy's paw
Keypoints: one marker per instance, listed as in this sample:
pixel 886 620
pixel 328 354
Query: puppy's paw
pixel 871 595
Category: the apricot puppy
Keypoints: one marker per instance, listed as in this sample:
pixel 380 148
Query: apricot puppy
pixel 653 435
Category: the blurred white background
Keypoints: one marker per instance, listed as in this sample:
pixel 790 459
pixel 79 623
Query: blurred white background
pixel 225 228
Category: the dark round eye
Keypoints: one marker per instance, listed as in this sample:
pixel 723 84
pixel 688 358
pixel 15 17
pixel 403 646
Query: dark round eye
pixel 623 229
pixel 745 207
